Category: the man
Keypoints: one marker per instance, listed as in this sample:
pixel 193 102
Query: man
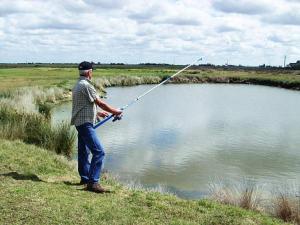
pixel 84 113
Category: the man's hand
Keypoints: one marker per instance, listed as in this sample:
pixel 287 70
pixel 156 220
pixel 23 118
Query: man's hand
pixel 107 107
pixel 102 114
pixel 117 112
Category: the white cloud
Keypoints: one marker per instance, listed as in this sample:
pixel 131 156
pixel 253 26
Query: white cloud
pixel 116 4
pixel 243 32
pixel 287 18
pixel 14 7
pixel 242 6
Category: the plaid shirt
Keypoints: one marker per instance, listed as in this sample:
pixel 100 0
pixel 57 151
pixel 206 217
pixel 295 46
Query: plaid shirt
pixel 84 109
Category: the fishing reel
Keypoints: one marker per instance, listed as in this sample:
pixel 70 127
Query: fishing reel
pixel 118 117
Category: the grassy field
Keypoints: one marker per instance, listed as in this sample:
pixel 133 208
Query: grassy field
pixel 65 77
pixel 47 77
pixel 36 187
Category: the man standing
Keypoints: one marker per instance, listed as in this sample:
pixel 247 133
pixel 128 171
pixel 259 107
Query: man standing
pixel 84 113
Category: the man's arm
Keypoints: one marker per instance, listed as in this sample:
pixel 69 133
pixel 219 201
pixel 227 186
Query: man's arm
pixel 107 107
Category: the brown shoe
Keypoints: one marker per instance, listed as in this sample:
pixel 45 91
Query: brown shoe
pixel 83 182
pixel 95 187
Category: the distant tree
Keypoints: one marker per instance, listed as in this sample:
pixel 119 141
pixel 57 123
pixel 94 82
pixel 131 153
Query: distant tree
pixel 262 66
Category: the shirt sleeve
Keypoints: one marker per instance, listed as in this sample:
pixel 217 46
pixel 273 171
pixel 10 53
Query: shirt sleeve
pixel 90 92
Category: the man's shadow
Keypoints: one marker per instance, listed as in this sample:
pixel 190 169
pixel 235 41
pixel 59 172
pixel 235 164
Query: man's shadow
pixel 18 176
pixel 71 183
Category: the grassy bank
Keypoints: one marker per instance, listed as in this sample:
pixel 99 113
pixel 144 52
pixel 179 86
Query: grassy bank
pixel 65 77
pixel 36 188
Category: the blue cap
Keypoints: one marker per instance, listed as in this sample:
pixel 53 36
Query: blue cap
pixel 85 65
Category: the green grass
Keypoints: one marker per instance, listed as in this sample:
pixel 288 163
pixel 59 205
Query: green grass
pixel 66 77
pixel 35 189
pixel 62 77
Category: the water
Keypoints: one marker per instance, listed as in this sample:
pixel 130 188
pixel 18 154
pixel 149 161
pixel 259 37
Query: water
pixel 183 137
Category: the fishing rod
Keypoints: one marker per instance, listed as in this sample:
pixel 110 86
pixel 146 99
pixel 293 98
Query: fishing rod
pixel 141 96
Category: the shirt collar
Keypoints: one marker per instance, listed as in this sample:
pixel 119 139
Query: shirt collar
pixel 84 78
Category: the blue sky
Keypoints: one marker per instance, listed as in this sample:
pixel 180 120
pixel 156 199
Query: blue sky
pixel 248 32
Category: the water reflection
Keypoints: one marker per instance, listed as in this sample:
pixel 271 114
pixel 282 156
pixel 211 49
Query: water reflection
pixel 182 136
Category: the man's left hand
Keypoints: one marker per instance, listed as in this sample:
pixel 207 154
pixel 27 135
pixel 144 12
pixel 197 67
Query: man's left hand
pixel 102 114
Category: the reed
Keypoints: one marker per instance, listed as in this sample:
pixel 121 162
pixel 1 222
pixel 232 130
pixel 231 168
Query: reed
pixel 45 109
pixel 287 207
pixel 222 193
pixel 12 131
pixel 282 203
pixel 248 199
pixel 103 82
pixel 25 115
pixel 50 95
pixel 64 139
pixel 245 194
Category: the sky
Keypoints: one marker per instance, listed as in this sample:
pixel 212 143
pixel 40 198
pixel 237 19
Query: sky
pixel 246 32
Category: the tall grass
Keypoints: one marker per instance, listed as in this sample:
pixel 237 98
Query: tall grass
pixel 287 206
pixel 33 99
pixel 103 82
pixel 64 139
pixel 11 131
pixel 24 115
pixel 245 194
pixel 282 204
pixel 45 109
pixel 51 95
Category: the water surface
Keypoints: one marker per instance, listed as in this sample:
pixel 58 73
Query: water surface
pixel 184 136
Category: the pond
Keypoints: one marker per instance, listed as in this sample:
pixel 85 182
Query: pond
pixel 185 137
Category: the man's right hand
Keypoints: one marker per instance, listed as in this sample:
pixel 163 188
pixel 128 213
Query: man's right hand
pixel 117 112
pixel 107 107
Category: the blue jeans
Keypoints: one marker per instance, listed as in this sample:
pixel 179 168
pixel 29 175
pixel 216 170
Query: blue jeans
pixel 89 142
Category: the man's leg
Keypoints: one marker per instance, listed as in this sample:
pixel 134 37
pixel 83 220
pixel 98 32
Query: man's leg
pixel 91 140
pixel 83 160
